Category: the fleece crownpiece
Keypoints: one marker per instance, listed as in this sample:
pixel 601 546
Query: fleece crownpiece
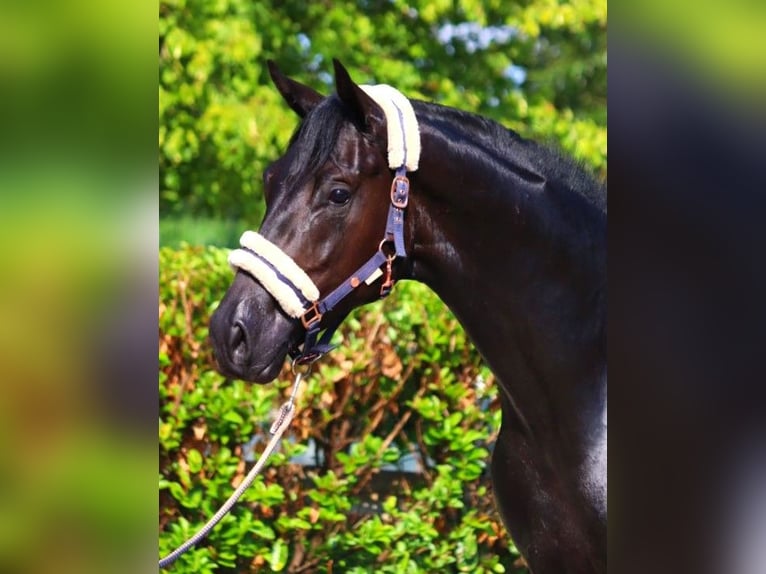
pixel 402 126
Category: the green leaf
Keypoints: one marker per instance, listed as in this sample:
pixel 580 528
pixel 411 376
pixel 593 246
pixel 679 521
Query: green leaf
pixel 194 458
pixel 233 417
pixel 278 558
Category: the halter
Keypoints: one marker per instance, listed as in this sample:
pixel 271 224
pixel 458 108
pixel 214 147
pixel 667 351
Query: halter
pixel 289 284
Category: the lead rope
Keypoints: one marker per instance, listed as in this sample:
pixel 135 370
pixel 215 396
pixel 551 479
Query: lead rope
pixel 280 425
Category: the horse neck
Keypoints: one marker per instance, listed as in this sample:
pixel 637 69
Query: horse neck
pixel 521 262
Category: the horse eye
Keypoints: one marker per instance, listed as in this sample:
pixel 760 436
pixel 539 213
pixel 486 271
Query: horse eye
pixel 340 196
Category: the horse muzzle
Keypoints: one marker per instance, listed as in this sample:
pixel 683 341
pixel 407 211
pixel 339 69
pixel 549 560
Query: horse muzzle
pixel 250 335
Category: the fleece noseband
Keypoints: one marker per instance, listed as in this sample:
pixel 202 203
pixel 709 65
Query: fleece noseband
pixel 291 287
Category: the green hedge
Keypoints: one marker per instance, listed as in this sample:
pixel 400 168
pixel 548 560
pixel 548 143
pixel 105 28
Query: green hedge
pixel 404 381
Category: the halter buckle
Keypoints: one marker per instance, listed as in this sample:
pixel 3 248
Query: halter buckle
pixel 400 191
pixel 311 316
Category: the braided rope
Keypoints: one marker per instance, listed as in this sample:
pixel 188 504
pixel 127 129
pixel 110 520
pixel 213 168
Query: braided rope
pixel 284 418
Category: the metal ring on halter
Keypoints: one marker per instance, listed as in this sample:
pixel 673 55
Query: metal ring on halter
pixel 382 243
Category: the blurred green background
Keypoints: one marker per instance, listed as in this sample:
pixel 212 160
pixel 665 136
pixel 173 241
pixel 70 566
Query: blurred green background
pixel 538 67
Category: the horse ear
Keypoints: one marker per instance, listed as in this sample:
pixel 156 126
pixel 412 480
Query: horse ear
pixel 370 115
pixel 299 97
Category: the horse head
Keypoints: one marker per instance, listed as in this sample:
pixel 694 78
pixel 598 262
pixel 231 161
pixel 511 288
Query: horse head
pixel 326 204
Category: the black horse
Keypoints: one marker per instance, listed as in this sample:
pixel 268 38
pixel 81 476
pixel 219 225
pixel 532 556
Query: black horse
pixel 511 236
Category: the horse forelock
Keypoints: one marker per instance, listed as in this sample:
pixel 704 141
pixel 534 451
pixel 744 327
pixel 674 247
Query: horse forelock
pixel 315 139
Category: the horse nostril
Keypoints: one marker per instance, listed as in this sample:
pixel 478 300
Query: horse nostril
pixel 238 343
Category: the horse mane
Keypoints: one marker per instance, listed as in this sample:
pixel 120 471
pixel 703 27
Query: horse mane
pixel 315 138
pixel 560 170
